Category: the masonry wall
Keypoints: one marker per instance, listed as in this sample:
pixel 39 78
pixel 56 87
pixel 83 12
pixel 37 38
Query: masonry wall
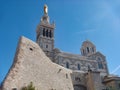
pixel 32 65
pixel 93 81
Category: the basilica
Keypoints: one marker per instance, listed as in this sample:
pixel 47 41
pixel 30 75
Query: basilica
pixel 88 71
pixel 90 60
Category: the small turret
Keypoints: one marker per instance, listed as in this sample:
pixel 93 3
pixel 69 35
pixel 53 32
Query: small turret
pixel 87 48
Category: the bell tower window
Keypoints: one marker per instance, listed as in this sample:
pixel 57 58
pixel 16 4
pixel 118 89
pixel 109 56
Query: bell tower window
pixel 43 31
pixel 47 33
pixel 50 34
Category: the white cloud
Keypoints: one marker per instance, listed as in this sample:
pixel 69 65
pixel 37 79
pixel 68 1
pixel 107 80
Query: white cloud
pixel 86 31
pixel 116 69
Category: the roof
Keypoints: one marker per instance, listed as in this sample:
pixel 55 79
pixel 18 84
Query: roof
pixel 87 42
pixel 111 78
pixel 75 56
pixel 97 53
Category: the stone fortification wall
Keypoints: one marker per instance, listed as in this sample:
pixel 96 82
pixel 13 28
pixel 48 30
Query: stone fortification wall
pixel 32 65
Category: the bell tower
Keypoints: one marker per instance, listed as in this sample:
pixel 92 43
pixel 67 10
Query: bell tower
pixel 45 33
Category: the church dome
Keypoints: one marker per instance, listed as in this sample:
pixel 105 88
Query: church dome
pixel 88 48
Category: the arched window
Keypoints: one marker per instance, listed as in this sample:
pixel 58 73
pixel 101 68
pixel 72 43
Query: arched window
pixel 93 49
pixel 83 52
pixel 100 65
pixel 46 46
pixel 43 31
pixel 78 66
pixel 67 65
pixel 47 33
pixel 88 49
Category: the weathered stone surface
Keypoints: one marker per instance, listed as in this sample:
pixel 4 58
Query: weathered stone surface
pixel 32 65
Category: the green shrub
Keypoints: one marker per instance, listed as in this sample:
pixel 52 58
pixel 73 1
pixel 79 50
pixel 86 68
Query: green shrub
pixel 29 87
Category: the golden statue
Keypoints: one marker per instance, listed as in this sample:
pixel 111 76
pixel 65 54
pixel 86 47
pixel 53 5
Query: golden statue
pixel 45 9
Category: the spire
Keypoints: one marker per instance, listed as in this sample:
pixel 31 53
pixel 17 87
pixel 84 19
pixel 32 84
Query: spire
pixel 45 18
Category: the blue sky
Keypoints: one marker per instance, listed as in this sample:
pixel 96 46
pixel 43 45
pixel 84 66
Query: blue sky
pixel 76 21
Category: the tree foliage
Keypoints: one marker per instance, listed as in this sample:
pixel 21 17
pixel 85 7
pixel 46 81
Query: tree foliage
pixel 29 87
